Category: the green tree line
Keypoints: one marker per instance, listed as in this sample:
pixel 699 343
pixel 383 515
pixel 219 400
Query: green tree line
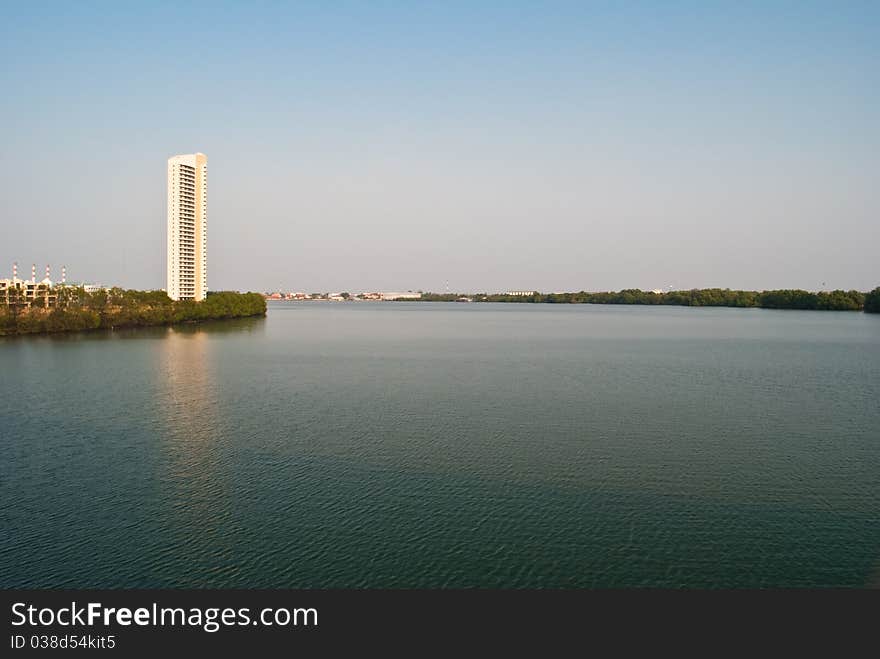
pixel 107 309
pixel 702 297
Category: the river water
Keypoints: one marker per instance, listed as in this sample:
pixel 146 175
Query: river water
pixel 446 445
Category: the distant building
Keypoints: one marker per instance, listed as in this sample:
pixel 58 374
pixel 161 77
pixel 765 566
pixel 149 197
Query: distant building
pixel 409 295
pixel 187 277
pixel 520 293
pixel 28 292
pixel 16 291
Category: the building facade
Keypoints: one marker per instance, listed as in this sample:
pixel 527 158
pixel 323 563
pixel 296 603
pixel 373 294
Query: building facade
pixel 26 293
pixel 187 276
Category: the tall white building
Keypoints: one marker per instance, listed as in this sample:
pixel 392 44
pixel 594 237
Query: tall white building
pixel 187 227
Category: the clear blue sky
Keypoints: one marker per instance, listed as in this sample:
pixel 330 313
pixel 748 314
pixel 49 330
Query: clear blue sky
pixel 369 145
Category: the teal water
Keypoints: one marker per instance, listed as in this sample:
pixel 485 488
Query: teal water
pixel 446 445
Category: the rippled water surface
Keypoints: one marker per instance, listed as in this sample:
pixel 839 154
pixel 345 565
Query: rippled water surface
pixel 446 445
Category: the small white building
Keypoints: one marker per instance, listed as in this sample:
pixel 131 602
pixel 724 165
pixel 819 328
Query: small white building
pixel 409 295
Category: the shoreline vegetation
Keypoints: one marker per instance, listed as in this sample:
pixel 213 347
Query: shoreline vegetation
pixel 76 310
pixel 705 297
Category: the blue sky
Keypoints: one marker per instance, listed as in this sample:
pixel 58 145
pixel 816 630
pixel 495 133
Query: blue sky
pixel 558 146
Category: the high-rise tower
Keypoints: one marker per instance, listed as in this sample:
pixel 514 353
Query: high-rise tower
pixel 187 227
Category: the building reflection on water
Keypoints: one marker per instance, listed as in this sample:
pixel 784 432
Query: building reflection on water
pixel 196 486
pixel 186 385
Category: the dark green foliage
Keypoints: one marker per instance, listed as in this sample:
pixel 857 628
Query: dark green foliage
pixel 703 297
pixel 797 299
pixel 78 310
pixel 872 301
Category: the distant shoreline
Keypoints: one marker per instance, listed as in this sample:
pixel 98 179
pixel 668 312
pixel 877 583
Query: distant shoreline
pixel 707 297
pixel 794 299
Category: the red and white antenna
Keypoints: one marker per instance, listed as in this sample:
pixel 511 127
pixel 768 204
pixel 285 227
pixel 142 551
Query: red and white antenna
pixel 15 271
pixel 63 274
pixel 33 273
pixel 47 272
